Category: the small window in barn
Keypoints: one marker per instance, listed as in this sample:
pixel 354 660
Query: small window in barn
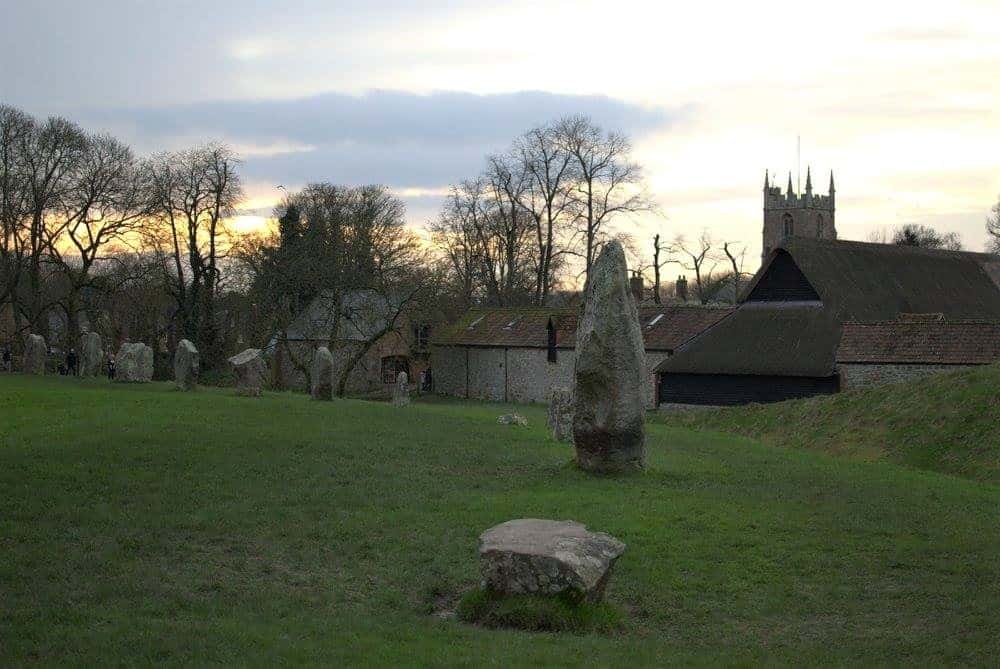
pixel 789 225
pixel 476 322
pixel 656 320
pixel 421 339
pixel 553 351
pixel 392 365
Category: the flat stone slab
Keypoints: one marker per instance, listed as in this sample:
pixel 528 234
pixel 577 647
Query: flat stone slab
pixel 547 557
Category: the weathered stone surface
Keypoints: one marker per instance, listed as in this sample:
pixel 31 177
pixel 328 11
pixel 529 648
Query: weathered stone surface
pixel 91 354
pixel 250 370
pixel 547 557
pixel 187 365
pixel 322 374
pixel 35 353
pixel 513 419
pixel 401 393
pixel 134 363
pixel 560 416
pixel 608 408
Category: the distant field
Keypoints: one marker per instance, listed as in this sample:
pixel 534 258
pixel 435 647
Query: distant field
pixel 141 525
pixel 946 423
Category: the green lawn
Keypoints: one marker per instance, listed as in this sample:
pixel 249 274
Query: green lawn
pixel 946 423
pixel 140 525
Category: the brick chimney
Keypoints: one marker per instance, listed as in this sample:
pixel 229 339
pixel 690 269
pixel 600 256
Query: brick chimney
pixel 682 289
pixel 635 285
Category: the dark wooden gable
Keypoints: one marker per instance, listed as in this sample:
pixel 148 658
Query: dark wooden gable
pixel 783 281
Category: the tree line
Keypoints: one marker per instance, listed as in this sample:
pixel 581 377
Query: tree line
pixel 139 247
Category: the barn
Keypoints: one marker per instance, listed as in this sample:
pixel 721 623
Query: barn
pixel 781 341
pixel 520 354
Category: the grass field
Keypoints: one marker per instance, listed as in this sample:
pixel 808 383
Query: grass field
pixel 945 423
pixel 141 525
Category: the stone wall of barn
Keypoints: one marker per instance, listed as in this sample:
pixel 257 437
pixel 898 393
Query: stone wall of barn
pixel 512 375
pixel 856 375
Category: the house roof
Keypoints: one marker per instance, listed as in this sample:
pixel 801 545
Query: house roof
pixel 664 328
pixel 855 281
pixel 363 313
pixel 962 342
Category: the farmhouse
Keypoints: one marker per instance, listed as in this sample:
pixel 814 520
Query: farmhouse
pixel 521 354
pixel 364 324
pixel 782 340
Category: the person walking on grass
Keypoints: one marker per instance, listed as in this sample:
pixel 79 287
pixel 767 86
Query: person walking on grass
pixel 6 361
pixel 71 363
pixel 111 367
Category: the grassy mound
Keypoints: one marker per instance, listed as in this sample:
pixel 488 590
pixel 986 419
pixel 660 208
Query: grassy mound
pixel 538 614
pixel 140 525
pixel 946 423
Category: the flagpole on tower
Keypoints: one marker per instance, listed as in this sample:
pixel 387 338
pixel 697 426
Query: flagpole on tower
pixel 798 163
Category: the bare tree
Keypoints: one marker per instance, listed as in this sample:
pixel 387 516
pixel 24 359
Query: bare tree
pixel 913 234
pixel 107 201
pixel 15 128
pixel 193 193
pixel 993 229
pixel 607 182
pixel 547 198
pixel 735 256
pixel 698 259
pixel 51 156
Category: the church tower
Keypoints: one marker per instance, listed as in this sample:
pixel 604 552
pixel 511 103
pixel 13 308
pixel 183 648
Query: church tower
pixel 796 215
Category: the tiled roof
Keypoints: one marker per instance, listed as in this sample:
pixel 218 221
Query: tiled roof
pixel 664 328
pixel 942 342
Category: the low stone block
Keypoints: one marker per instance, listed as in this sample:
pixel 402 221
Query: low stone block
pixel 250 370
pixel 547 557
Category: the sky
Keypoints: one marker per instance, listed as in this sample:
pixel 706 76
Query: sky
pixel 899 99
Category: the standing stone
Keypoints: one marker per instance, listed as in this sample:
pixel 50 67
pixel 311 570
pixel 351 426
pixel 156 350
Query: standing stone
pixel 560 417
pixel 35 354
pixel 187 365
pixel 322 374
pixel 250 370
pixel 134 363
pixel 547 557
pixel 608 402
pixel 91 354
pixel 401 393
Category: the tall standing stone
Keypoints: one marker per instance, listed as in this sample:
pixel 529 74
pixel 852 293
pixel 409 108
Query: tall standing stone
pixel 134 363
pixel 608 407
pixel 187 365
pixel 401 393
pixel 322 374
pixel 35 353
pixel 560 416
pixel 250 370
pixel 91 354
